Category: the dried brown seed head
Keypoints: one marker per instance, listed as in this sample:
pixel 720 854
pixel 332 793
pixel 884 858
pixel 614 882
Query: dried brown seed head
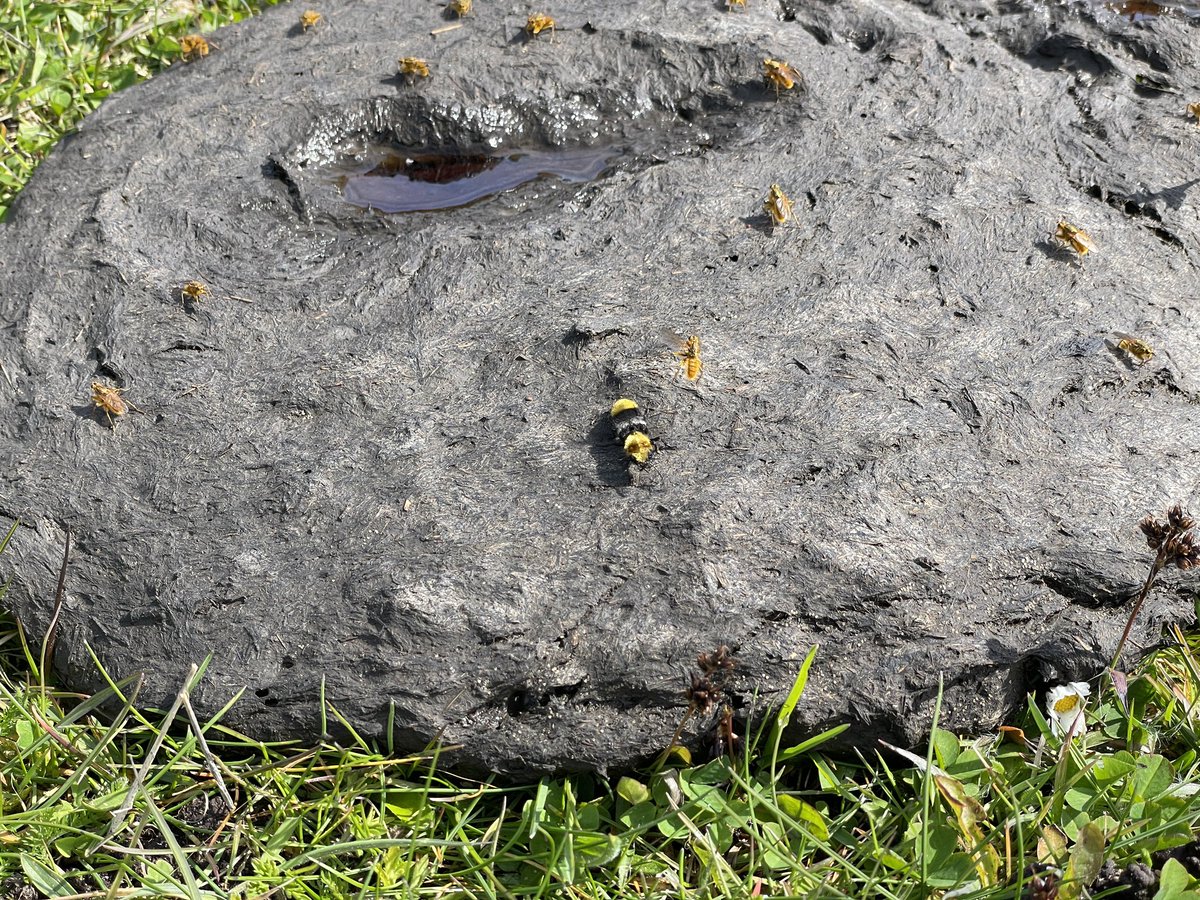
pixel 1179 520
pixel 1155 531
pixel 701 694
pixel 717 661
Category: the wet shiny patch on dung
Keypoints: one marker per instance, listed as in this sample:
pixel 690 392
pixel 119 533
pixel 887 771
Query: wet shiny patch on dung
pixel 398 181
pixel 1138 10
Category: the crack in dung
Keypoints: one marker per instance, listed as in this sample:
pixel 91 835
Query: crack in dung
pixel 273 168
pixel 1135 208
pixel 1088 589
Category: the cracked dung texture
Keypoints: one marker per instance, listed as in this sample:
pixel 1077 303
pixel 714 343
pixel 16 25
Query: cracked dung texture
pixel 379 453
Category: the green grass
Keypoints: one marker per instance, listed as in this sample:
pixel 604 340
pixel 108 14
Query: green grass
pixel 153 804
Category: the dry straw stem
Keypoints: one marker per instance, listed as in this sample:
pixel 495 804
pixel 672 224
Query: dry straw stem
pixel 183 699
pixel 47 656
pixel 1175 544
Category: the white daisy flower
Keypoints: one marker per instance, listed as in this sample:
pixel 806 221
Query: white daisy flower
pixel 1065 705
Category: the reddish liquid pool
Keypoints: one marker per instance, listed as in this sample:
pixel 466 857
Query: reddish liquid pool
pixel 416 181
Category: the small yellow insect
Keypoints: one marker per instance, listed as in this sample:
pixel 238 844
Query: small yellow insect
pixel 1134 346
pixel 193 46
pixel 781 75
pixel 194 291
pixel 689 358
pixel 308 19
pixel 460 7
pixel 730 5
pixel 411 67
pixel 1075 238
pixel 778 206
pixel 538 23
pixel 109 400
pixel 1193 110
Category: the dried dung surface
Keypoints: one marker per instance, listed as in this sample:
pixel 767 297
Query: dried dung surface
pixel 376 459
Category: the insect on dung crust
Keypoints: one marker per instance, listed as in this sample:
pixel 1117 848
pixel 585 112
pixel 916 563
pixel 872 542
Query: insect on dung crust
pixel 631 430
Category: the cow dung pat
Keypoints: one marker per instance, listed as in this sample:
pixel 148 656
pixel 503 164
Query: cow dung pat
pixel 376 465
